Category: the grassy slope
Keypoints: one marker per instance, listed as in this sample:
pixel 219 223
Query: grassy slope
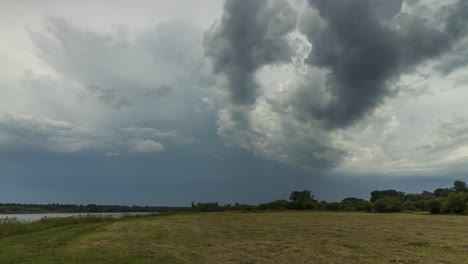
pixel 279 237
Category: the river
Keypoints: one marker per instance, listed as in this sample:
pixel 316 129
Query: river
pixel 35 217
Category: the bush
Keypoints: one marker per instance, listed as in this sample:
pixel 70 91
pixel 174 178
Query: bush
pixel 387 205
pixel 434 206
pixel 456 203
pixel 309 205
pixel 334 206
pixel 409 206
pixel 278 205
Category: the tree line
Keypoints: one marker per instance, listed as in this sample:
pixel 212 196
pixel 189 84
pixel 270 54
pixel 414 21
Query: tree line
pixel 453 200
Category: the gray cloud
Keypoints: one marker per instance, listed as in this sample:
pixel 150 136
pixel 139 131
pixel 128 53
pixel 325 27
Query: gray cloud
pixel 249 35
pixel 121 67
pixel 320 114
pixel 110 97
pixel 448 136
pixel 366 44
pixel 274 135
pixel 162 90
pixel 359 50
pixel 55 135
pixel 156 135
pixel 24 131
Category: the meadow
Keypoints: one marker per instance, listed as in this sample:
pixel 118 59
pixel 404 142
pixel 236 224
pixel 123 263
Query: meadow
pixel 241 237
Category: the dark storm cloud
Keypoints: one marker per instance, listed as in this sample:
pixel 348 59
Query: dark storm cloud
pixel 365 44
pixel 250 34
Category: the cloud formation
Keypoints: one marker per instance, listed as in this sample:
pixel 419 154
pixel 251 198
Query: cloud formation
pixel 124 66
pixel 365 45
pixel 326 85
pixel 249 35
pixel 342 62
pixel 24 131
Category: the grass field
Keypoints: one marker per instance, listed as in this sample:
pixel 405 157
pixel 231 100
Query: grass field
pixel 236 237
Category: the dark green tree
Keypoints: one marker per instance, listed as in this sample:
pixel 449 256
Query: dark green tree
pixel 456 203
pixel 301 197
pixel 441 192
pixel 434 206
pixel 388 205
pixel 459 186
pixel 376 195
pixel 355 204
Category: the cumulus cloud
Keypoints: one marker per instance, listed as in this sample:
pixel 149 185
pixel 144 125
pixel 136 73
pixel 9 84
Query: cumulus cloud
pixel 274 135
pixel 383 144
pixel 366 44
pixel 303 103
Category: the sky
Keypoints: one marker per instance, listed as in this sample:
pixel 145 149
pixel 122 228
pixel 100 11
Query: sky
pixel 166 102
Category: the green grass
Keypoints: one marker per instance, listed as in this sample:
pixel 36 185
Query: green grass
pixel 235 237
pixel 13 226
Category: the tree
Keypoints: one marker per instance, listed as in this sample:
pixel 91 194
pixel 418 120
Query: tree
pixel 459 186
pixel 376 195
pixel 441 192
pixel 301 200
pixel 301 197
pixel 456 203
pixel 355 204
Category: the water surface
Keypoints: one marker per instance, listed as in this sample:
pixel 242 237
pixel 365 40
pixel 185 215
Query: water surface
pixel 35 217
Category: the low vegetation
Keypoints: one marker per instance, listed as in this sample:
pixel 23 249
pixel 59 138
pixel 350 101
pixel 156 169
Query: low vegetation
pixel 452 200
pixel 248 237
pixel 11 226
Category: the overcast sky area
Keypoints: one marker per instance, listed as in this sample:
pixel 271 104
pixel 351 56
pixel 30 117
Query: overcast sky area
pixel 166 102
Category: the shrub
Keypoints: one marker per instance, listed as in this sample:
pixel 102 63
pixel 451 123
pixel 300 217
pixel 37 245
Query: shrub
pixel 434 206
pixel 409 206
pixel 387 205
pixel 456 203
pixel 309 205
pixel 334 206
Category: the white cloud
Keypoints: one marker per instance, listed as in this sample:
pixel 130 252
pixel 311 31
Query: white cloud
pixel 146 146
pixel 156 134
pixel 208 103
